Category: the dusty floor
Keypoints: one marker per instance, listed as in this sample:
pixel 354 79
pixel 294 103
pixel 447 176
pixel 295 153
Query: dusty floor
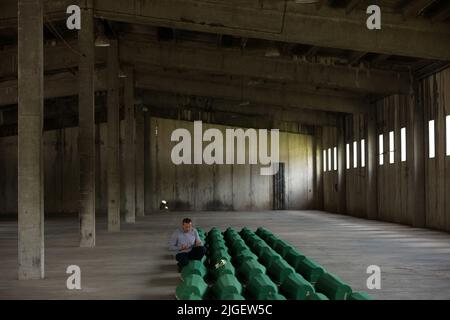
pixel 135 264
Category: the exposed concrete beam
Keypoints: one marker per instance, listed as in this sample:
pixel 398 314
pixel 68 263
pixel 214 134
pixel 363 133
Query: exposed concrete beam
pixel 55 86
pixel 352 5
pixel 226 61
pixel 245 93
pixel 414 7
pixel 234 62
pixel 167 100
pixel 56 57
pixel 442 15
pixel 327 27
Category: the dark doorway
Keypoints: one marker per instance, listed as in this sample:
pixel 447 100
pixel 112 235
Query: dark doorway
pixel 279 190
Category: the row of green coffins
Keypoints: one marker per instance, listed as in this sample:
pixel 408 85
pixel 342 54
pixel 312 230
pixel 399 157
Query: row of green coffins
pixel 258 266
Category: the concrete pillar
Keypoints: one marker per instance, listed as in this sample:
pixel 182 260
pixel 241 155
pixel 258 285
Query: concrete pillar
pixel 140 169
pixel 147 165
pixel 318 168
pixel 113 144
pixel 129 149
pixel 342 188
pixel 30 127
pixel 86 135
pixel 372 164
pixel 416 158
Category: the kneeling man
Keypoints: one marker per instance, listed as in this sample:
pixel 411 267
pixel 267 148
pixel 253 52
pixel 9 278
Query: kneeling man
pixel 186 243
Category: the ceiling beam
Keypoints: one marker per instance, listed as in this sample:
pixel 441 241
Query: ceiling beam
pixel 168 100
pixel 443 14
pixel 352 5
pixel 234 62
pixel 292 99
pixel 414 7
pixel 55 86
pixel 328 27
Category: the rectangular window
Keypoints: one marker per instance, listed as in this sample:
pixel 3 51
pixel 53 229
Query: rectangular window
pixel 335 159
pixel 355 154
pixel 363 153
pixel 329 159
pixel 348 155
pixel 381 149
pixel 448 134
pixel 391 147
pixel 431 140
pixel 324 160
pixel 403 144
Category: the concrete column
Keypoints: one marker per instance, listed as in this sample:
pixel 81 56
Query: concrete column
pixel 342 189
pixel 30 128
pixel 416 158
pixel 129 149
pixel 140 169
pixel 86 135
pixel 318 168
pixel 372 164
pixel 147 165
pixel 113 161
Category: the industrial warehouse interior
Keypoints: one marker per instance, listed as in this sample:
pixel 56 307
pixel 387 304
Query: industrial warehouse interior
pixel 307 140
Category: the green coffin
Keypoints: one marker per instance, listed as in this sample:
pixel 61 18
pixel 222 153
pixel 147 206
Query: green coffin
pixel 271 239
pixel 250 268
pixel 263 232
pixel 237 247
pixel 294 258
pixel 360 296
pixel 258 247
pixel 244 256
pixel 310 270
pixel 268 257
pixel 194 267
pixel 232 297
pixel 333 287
pixel 192 287
pixel 216 246
pixel 295 287
pixel 282 247
pixel 216 256
pixel 318 296
pixel 260 286
pixel 279 270
pixel 221 269
pixel 226 285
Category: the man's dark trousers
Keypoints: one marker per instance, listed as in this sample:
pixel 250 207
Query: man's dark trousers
pixel 196 253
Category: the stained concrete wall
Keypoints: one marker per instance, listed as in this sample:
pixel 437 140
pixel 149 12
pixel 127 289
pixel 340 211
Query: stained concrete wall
pixel 227 187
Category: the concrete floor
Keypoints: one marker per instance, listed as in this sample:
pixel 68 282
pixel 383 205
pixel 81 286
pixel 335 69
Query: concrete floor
pixel 135 264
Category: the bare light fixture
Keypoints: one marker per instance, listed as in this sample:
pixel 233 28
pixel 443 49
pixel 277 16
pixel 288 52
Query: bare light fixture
pixel 122 74
pixel 101 40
